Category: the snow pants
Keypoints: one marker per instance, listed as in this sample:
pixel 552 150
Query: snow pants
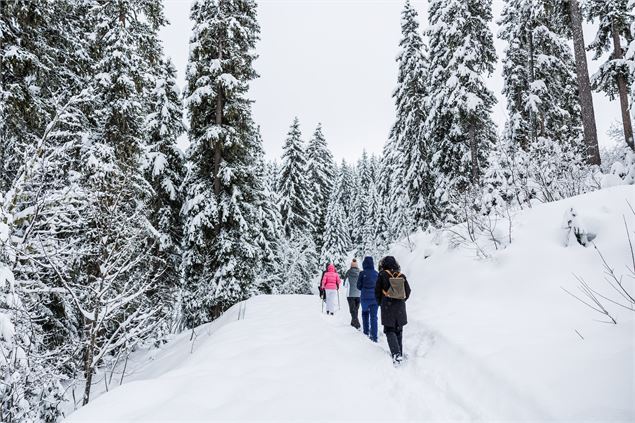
pixel 369 320
pixel 353 306
pixel 394 336
pixel 331 300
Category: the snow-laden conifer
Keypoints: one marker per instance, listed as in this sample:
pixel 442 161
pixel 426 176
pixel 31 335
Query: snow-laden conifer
pixel 219 210
pixel 614 34
pixel 408 155
pixel 337 242
pixel 164 168
pixel 459 124
pixel 321 171
pixel 294 187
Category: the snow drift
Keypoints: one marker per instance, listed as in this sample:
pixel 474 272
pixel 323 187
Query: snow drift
pixel 488 339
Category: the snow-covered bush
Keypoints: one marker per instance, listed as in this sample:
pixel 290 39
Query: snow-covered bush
pixel 481 229
pixel 621 171
pixel 573 226
pixel 557 172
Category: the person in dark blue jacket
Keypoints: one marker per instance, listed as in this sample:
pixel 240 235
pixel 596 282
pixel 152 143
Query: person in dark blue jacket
pixel 366 284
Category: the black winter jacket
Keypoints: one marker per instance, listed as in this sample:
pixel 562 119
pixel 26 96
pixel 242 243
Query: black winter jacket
pixel 393 311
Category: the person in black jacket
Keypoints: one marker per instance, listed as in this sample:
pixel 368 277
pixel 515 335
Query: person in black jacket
pixel 393 310
pixel 322 291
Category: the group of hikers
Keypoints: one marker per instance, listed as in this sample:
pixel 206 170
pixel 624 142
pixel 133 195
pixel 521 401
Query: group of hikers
pixel 386 288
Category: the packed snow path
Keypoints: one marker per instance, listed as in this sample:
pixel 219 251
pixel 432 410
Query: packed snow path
pixel 285 360
pixel 494 339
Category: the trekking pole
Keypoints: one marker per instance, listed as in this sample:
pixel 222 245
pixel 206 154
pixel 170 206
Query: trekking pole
pixel 338 299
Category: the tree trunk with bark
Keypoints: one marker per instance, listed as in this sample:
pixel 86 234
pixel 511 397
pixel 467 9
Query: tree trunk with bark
pixel 622 89
pixel 584 86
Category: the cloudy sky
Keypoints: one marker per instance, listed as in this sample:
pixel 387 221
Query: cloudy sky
pixel 333 61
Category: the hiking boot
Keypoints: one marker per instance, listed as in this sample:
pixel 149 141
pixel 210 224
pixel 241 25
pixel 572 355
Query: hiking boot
pixel 397 360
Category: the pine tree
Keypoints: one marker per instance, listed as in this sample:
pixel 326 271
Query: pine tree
pixel 541 90
pixel 116 260
pixel 350 190
pixel 613 78
pixel 459 123
pixel 219 211
pixel 337 242
pixel 298 264
pixel 165 169
pixel 409 194
pixel 321 170
pixel 268 228
pixel 37 62
pixel 539 70
pixel 294 187
pixel 360 214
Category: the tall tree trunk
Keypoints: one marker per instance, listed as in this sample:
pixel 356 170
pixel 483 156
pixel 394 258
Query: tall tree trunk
pixel 88 360
pixel 622 89
pixel 584 86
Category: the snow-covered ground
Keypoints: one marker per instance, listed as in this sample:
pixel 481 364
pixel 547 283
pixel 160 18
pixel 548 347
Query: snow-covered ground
pixel 488 339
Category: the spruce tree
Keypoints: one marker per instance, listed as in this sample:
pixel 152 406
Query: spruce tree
pixel 219 211
pixel 117 261
pixel 165 169
pixel 360 214
pixel 337 242
pixel 541 90
pixel 539 70
pixel 40 51
pixel 613 78
pixel 459 123
pixel 268 228
pixel 407 155
pixel 321 171
pixel 296 197
pixel 350 189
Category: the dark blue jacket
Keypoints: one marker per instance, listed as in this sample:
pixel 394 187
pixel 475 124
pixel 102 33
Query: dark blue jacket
pixel 367 280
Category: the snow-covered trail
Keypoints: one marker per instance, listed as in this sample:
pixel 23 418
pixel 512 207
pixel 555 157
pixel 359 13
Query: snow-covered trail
pixel 487 340
pixel 285 360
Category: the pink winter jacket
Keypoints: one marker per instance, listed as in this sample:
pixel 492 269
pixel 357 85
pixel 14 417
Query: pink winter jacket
pixel 331 279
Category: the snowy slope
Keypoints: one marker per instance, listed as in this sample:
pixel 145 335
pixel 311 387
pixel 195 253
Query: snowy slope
pixel 488 340
pixel 509 317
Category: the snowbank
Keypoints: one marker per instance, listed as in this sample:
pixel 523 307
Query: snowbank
pixel 488 339
pixel 510 323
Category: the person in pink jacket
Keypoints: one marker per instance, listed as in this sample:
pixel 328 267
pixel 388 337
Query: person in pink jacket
pixel 331 284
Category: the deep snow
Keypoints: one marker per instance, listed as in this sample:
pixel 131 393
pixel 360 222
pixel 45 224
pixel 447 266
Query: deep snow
pixel 488 339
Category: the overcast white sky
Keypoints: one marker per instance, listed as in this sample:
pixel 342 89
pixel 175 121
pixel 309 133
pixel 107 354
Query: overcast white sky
pixel 333 61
